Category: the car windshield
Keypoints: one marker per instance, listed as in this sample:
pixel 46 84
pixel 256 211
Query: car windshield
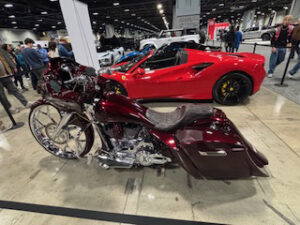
pixel 125 67
pixel 104 48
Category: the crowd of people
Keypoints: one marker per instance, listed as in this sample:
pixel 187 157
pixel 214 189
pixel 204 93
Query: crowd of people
pixel 232 39
pixel 29 61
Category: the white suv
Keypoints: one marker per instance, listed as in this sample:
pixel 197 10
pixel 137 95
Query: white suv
pixel 170 36
pixel 265 33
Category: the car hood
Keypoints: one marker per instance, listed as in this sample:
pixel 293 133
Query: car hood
pixel 103 54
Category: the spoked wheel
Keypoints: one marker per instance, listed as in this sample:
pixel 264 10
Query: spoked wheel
pixel 70 143
pixel 232 89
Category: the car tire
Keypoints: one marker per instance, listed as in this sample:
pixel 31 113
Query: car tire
pixel 266 37
pixel 117 88
pixel 232 89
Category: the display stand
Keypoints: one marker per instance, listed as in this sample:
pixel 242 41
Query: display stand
pixel 15 125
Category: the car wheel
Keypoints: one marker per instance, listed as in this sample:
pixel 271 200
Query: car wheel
pixel 266 37
pixel 232 89
pixel 117 88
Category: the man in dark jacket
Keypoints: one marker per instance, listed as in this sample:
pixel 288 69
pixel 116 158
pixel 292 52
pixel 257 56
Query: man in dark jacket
pixel 279 42
pixel 34 60
pixel 6 82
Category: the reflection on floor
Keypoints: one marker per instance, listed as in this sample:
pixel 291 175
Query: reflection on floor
pixel 268 120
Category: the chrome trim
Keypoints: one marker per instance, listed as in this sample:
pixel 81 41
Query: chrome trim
pixel 214 154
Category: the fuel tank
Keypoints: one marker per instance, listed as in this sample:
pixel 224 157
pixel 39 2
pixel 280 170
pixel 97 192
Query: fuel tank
pixel 118 108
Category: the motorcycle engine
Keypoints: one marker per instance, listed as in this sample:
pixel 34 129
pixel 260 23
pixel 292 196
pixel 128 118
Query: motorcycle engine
pixel 132 146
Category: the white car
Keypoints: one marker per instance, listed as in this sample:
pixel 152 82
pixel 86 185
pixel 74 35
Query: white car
pixel 108 55
pixel 265 33
pixel 170 36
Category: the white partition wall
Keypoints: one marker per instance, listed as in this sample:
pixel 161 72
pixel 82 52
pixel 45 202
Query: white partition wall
pixel 77 20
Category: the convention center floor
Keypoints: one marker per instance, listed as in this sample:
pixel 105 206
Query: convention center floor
pixel 268 120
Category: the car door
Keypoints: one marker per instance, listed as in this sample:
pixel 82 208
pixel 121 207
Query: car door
pixel 166 82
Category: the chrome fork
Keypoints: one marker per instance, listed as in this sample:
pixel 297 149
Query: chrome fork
pixel 63 122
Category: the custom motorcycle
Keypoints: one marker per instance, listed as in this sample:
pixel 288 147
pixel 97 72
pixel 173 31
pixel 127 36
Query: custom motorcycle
pixel 76 102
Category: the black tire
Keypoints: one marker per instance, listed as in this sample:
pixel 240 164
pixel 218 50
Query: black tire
pixel 232 89
pixel 117 88
pixel 266 37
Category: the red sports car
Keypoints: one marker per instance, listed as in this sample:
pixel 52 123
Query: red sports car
pixel 228 78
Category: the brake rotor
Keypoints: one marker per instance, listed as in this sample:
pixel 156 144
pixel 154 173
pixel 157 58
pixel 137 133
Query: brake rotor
pixel 62 138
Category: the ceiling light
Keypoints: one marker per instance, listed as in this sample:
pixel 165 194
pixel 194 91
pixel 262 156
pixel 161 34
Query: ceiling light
pixel 107 17
pixel 11 16
pixel 213 10
pixel 133 14
pixel 116 20
pixel 44 12
pixel 285 7
pixel 208 13
pixel 8 5
pixel 34 28
pixel 94 22
pixel 53 27
pixel 116 3
pixel 14 22
pixel 95 13
pixel 53 0
pixel 40 20
pixel 126 10
pixel 139 17
pixel 58 22
pixel 37 25
pixel 15 27
pixel 161 11
pixel 159 6
pixel 122 21
pixel 221 4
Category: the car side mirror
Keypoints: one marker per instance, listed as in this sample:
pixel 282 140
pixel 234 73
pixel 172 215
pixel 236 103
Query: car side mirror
pixel 139 72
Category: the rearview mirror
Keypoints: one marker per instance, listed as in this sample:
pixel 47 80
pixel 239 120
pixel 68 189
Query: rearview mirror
pixel 139 72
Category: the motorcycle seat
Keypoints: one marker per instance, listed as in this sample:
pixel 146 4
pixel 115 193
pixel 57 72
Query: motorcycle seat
pixel 182 115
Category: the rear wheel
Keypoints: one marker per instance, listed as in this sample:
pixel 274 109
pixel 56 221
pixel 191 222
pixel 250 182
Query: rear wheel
pixel 266 37
pixel 232 89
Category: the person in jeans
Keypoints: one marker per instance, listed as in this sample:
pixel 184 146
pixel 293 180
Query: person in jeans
pixel 6 82
pixel 34 60
pixel 296 40
pixel 279 42
pixel 238 39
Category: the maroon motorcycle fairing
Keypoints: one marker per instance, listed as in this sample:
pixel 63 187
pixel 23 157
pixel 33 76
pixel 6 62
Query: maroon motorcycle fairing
pixel 206 148
pixel 209 147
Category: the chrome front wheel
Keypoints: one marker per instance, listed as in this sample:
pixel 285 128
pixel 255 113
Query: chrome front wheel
pixel 70 142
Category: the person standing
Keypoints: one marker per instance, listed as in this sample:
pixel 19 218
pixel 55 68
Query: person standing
pixel 17 75
pixel 296 41
pixel 34 60
pixel 53 50
pixel 62 50
pixel 44 53
pixel 230 37
pixel 21 66
pixel 279 42
pixel 238 39
pixel 6 82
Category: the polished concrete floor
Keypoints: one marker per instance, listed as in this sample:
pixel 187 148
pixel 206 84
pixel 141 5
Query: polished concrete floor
pixel 268 120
